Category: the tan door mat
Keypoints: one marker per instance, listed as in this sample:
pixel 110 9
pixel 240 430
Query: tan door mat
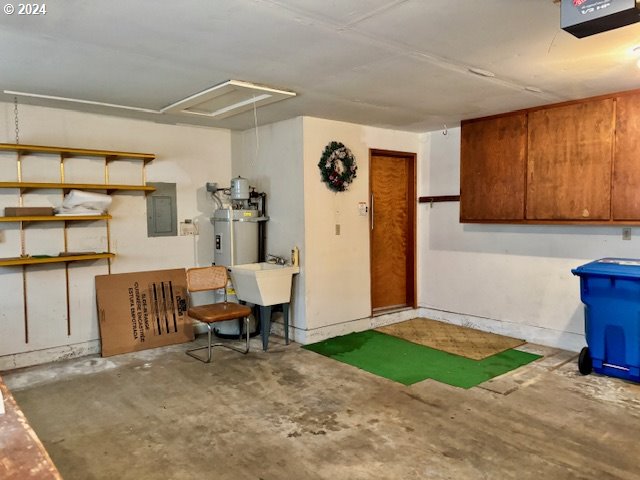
pixel 463 341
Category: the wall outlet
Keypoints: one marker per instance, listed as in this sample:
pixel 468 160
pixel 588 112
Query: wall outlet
pixel 626 233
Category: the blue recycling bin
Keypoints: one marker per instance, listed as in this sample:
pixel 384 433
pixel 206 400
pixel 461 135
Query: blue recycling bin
pixel 610 291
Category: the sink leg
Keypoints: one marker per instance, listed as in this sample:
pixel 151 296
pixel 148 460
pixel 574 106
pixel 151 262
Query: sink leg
pixel 265 326
pixel 285 316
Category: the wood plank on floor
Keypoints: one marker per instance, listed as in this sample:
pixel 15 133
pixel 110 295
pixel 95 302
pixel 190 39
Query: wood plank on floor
pixel 22 455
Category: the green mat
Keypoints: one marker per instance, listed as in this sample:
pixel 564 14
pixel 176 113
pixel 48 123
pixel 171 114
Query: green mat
pixel 405 362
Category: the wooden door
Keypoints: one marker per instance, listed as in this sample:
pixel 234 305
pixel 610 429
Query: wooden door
pixel 569 163
pixel 393 199
pixel 625 201
pixel 493 168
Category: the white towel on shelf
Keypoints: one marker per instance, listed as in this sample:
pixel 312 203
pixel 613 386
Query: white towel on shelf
pixel 78 202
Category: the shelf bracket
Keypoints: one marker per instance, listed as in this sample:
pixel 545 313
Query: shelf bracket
pixel 439 198
pixel 24 304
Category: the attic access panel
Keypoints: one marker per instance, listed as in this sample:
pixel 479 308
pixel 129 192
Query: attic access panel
pixel 227 99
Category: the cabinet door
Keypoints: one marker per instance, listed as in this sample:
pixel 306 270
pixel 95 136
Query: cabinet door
pixel 625 201
pixel 492 168
pixel 569 162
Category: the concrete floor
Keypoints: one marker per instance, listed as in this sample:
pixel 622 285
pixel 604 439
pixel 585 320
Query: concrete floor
pixel 293 414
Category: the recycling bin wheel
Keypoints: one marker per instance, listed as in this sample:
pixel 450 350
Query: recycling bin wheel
pixel 585 365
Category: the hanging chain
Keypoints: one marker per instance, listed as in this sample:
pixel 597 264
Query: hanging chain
pixel 15 114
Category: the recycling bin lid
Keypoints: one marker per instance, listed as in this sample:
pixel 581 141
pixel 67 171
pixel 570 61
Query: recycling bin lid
pixel 626 267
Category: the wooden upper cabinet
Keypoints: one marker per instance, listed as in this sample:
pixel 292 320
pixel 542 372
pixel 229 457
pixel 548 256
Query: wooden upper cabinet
pixel 569 161
pixel 492 168
pixel 625 193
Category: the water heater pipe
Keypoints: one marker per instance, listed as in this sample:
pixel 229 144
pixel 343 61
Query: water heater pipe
pixel 231 237
pixel 216 199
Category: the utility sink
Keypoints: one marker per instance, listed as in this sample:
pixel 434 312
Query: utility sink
pixel 263 283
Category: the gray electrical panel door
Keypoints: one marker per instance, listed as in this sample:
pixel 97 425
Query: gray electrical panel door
pixel 162 211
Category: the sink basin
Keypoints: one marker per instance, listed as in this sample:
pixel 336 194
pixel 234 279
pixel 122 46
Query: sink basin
pixel 263 283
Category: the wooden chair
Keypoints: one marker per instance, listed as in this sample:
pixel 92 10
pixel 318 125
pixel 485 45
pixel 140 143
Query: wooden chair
pixel 201 279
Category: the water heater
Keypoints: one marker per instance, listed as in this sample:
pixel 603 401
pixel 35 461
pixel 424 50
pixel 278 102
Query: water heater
pixel 238 229
pixel 236 236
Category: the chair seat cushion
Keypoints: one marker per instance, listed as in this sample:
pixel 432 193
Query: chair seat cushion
pixel 219 312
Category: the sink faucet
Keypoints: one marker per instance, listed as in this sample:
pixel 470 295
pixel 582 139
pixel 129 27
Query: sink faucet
pixel 275 259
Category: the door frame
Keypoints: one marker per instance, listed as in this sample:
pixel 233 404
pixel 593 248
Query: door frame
pixel 411 278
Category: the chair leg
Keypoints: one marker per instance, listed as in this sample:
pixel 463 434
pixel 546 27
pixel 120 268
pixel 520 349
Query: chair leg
pixel 246 327
pixel 237 349
pixel 210 345
pixel 207 346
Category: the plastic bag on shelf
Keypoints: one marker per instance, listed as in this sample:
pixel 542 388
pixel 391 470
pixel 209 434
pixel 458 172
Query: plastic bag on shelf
pixel 78 202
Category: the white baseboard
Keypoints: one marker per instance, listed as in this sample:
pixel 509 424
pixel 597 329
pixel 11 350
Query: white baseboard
pixel 47 355
pixel 314 335
pixel 532 334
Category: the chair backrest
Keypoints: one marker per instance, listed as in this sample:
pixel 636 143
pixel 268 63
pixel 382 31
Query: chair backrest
pixel 206 278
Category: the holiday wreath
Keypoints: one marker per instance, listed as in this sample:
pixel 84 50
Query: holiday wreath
pixel 337 166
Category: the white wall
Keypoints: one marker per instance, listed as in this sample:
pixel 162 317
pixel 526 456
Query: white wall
pixel 333 287
pixel 506 278
pixel 188 156
pixel 338 280
pixel 272 162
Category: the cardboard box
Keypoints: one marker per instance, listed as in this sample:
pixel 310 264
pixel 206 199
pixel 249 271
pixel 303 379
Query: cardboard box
pixel 142 310
pixel 27 211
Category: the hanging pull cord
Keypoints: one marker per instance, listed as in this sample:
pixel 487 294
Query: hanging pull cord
pixel 15 115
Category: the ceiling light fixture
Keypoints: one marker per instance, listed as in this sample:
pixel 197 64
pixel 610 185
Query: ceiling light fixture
pixel 226 99
pixel 481 72
pixel 634 52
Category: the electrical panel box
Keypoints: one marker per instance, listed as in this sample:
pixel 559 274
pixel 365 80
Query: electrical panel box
pixel 162 211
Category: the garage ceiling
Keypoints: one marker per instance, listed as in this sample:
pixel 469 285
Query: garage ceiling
pixel 402 64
